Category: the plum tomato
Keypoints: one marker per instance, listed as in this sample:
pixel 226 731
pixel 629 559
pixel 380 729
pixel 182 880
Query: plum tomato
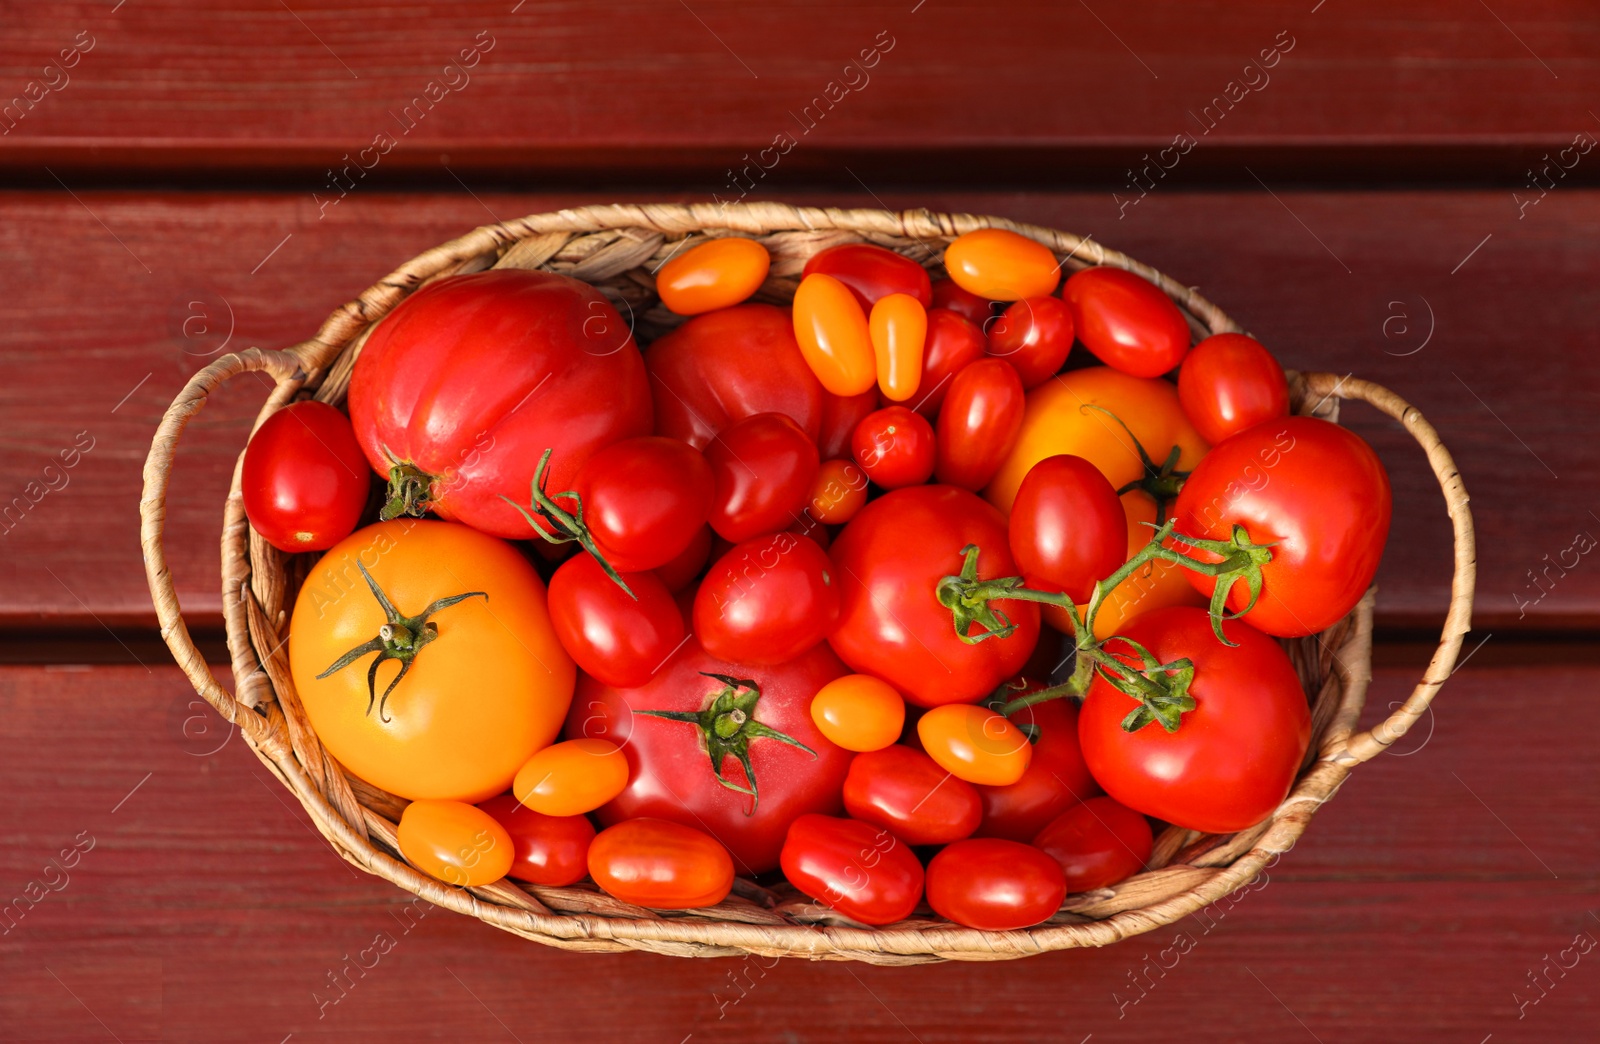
pixel 546 850
pixel 571 777
pixel 975 744
pixel 687 564
pixel 763 467
pixel 1056 779
pixel 974 309
pixel 872 273
pixel 1001 265
pixel 859 712
pixel 838 492
pixel 833 335
pixel 1097 843
pixel 661 865
pixel 617 638
pixel 1230 382
pixel 899 327
pixel 458 843
pixel 305 480
pixel 978 424
pixel 1127 321
pixel 840 415
pixel 1034 335
pixel 952 343
pixel 644 500
pixel 895 447
pixel 861 871
pixel 906 791
pixel 994 884
pixel 1067 528
pixel 716 274
pixel 767 601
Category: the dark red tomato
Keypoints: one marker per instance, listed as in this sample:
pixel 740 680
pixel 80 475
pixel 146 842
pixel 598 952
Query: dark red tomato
pixel 687 564
pixel 892 556
pixel 895 447
pixel 470 379
pixel 979 423
pixel 1233 757
pixel 676 773
pixel 660 864
pixel 1126 321
pixel 872 272
pixel 808 527
pixel 1056 779
pixel 1315 491
pixel 859 870
pixel 974 309
pixel 763 466
pixel 840 415
pixel 1230 382
pixel 305 480
pixel 727 365
pixel 1034 335
pixel 766 601
pixel 546 850
pixel 618 639
pixel 995 885
pixel 952 342
pixel 1097 843
pixel 1067 527
pixel 903 790
pixel 644 500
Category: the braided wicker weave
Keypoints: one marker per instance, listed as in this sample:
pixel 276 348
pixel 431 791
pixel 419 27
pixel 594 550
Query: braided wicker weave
pixel 617 248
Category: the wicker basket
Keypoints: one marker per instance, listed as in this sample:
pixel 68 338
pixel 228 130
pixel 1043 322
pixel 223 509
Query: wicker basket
pixel 617 248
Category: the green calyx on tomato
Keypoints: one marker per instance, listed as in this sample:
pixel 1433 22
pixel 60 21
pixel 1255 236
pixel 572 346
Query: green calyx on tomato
pixel 1163 483
pixel 562 526
pixel 409 491
pixel 727 725
pixel 401 638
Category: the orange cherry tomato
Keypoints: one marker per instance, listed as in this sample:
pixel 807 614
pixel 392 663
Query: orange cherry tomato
pixel 975 744
pixel 859 712
pixel 662 865
pixel 713 275
pixel 834 336
pixel 571 778
pixel 458 843
pixel 899 326
pixel 1001 265
pixel 837 492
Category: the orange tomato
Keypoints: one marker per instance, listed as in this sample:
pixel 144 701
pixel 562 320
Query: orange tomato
pixel 713 275
pixel 859 712
pixel 899 326
pixel 838 492
pixel 1001 265
pixel 833 334
pixel 975 744
pixel 662 865
pixel 458 843
pixel 571 778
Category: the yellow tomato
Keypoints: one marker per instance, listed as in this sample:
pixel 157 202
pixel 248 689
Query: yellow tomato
pixel 859 712
pixel 1001 265
pixel 460 844
pixel 833 334
pixel 899 326
pixel 713 275
pixel 487 684
pixel 571 778
pixel 975 744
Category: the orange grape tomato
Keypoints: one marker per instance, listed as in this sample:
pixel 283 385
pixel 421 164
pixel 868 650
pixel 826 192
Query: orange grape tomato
pixel 713 275
pixel 838 492
pixel 571 778
pixel 662 865
pixel 859 712
pixel 458 843
pixel 1001 265
pixel 975 744
pixel 899 326
pixel 834 336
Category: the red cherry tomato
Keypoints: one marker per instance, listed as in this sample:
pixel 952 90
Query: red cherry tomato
pixel 763 467
pixel 1315 491
pixel 305 480
pixel 838 492
pixel 546 850
pixel 767 601
pixel 662 865
pixel 978 424
pixel 1034 335
pixel 872 272
pixel 1056 779
pixel 895 447
pixel 1002 265
pixel 832 331
pixel 1097 843
pixel 643 500
pixel 995 885
pixel 1228 383
pixel 905 791
pixel 840 415
pixel 974 309
pixel 1126 321
pixel 1067 528
pixel 715 274
pixel 687 564
pixel 953 342
pixel 1247 698
pixel 618 639
pixel 861 871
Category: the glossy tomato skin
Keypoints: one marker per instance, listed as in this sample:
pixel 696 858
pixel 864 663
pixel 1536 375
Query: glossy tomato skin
pixel 862 871
pixel 686 565
pixel 1067 527
pixel 838 492
pixel 895 447
pixel 725 366
pixel 1097 843
pixel 661 865
pixel 1126 321
pixel 644 500
pixel 767 601
pixel 995 885
pixel 975 744
pixel 618 639
pixel 905 791
pixel 899 328
pixel 457 843
pixel 974 309
pixel 716 274
pixel 840 415
pixel 1314 490
pixel 763 467
pixel 1035 336
pixel 859 712
pixel 952 343
pixel 890 621
pixel 1002 265
pixel 831 329
pixel 472 378
pixel 305 479
pixel 670 775
pixel 872 273
pixel 978 423
pixel 571 777
pixel 1230 382
pixel 1234 756
pixel 1056 778
pixel 546 850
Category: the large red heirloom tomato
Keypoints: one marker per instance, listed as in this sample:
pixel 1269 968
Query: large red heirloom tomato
pixel 461 389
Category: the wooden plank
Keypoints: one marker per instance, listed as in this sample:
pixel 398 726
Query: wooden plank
pixel 209 909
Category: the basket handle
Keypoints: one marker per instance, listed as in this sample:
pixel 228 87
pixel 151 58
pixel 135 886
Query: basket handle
pixel 286 370
pixel 1364 746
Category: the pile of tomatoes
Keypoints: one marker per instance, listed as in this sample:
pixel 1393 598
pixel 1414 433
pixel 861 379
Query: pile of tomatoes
pixel 785 591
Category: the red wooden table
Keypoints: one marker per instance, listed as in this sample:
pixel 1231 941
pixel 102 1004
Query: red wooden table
pixel 1386 195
